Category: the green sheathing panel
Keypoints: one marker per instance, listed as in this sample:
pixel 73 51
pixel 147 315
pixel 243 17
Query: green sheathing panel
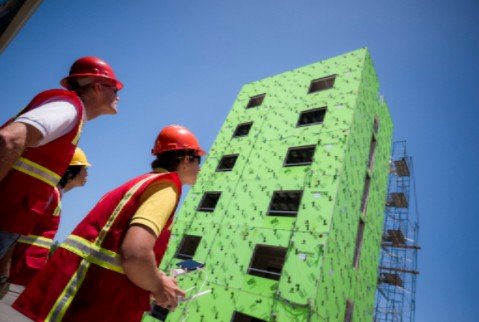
pixel 339 280
pixel 318 276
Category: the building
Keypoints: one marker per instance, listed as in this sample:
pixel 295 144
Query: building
pixel 288 210
pixel 13 15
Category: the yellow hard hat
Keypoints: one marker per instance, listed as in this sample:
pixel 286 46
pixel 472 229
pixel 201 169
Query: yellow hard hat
pixel 79 158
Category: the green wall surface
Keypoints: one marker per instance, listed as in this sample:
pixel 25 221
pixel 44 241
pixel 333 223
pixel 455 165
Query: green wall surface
pixel 318 276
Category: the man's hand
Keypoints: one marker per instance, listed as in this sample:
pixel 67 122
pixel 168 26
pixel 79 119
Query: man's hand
pixel 167 295
pixel 138 261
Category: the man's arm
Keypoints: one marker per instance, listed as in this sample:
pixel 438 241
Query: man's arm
pixel 14 138
pixel 36 127
pixel 138 261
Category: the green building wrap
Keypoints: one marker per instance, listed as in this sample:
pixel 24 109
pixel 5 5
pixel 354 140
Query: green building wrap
pixel 296 231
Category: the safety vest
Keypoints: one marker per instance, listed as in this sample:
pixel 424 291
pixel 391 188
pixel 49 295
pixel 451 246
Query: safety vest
pixel 27 190
pixel 31 252
pixel 84 279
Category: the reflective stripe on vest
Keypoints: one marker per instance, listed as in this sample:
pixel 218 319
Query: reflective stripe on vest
pixel 66 297
pixel 57 210
pixel 93 253
pixel 63 302
pixel 37 171
pixel 77 136
pixel 38 241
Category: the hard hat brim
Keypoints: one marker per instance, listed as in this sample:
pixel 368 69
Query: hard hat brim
pixel 65 81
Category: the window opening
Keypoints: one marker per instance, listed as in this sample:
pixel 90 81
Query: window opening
pixel 209 201
pixel 348 317
pixel 364 199
pixel 301 155
pixel 359 243
pixel 321 84
pixel 227 163
pixel 285 203
pixel 241 317
pixel 255 101
pixel 372 152
pixel 267 261
pixel 242 129
pixel 310 117
pixel 188 247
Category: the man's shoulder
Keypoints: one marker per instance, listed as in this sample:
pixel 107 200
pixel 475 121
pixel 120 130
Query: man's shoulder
pixel 57 94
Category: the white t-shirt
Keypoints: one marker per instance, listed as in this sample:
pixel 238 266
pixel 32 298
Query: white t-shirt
pixel 53 120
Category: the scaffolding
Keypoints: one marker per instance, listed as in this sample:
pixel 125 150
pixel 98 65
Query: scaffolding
pixel 396 288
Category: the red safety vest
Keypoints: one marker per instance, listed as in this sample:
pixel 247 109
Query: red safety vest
pixel 27 190
pixel 31 252
pixel 84 279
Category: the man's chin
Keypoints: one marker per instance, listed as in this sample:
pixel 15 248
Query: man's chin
pixel 113 110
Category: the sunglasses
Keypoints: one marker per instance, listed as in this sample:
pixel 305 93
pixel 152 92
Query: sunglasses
pixel 113 88
pixel 192 158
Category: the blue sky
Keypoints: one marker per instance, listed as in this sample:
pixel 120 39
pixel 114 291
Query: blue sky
pixel 184 62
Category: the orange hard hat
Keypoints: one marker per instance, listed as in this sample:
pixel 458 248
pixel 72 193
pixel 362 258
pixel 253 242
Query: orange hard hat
pixel 176 137
pixel 91 68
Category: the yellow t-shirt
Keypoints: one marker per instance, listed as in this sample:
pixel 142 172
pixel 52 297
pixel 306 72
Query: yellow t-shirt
pixel 156 205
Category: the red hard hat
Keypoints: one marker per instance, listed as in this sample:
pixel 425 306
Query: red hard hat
pixel 92 68
pixel 176 137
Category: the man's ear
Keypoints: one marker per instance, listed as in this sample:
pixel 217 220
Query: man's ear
pixel 183 161
pixel 97 87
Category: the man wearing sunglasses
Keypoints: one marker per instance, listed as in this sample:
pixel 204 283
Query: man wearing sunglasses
pixel 37 145
pixel 106 270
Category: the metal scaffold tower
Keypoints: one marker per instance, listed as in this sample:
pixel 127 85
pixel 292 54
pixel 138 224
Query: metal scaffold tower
pixel 396 289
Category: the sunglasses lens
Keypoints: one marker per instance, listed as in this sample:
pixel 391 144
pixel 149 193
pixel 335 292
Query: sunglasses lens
pixel 113 88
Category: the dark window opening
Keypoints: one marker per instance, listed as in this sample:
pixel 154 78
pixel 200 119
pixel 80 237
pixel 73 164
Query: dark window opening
pixel 267 261
pixel 188 247
pixel 372 152
pixel 285 203
pixel 348 316
pixel 227 163
pixel 209 201
pixel 242 129
pixel 241 317
pixel 321 84
pixel 359 243
pixel 255 101
pixel 302 155
pixel 310 117
pixel 364 199
pixel 376 125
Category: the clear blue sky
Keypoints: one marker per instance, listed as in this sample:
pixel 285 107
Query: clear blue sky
pixel 185 61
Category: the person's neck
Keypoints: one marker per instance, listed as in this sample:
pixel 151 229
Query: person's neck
pixel 90 113
pixel 67 188
pixel 89 104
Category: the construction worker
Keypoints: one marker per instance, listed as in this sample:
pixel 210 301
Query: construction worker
pixel 106 270
pixel 37 145
pixel 31 252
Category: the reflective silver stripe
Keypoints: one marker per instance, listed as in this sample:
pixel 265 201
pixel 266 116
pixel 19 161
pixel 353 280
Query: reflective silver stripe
pixel 106 228
pixel 36 240
pixel 68 293
pixel 93 253
pixel 37 171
